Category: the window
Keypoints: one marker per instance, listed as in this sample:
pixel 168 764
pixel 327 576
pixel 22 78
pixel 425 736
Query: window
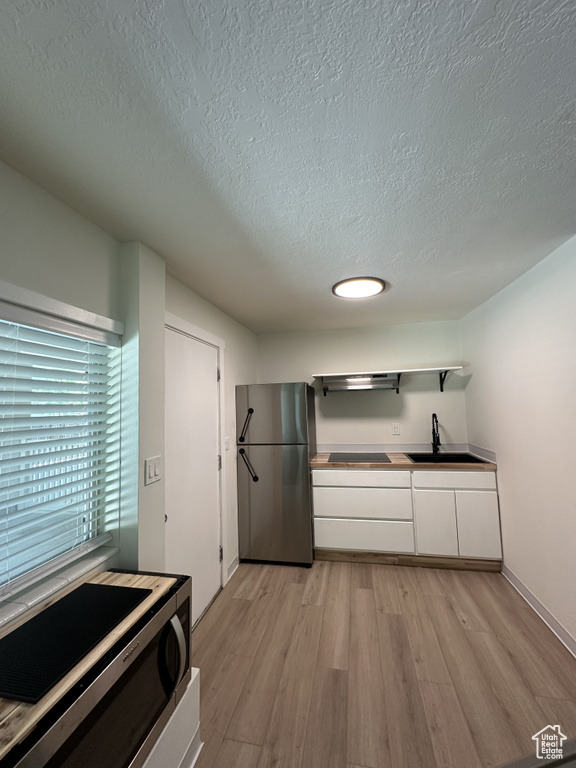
pixel 59 446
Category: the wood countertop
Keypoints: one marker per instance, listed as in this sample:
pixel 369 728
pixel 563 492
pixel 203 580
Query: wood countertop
pixel 17 719
pixel 397 461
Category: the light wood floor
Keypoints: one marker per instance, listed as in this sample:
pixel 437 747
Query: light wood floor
pixel 371 666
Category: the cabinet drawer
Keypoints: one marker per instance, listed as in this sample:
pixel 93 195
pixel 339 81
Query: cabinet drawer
pixel 377 503
pixel 366 535
pixel 438 479
pixel 366 478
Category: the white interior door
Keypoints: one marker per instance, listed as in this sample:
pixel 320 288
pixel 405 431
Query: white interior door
pixel 191 465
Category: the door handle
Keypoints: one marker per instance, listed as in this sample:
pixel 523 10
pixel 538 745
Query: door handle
pixel 165 670
pixel 253 474
pixel 246 424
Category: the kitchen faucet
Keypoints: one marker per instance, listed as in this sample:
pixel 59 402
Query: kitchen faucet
pixel 435 434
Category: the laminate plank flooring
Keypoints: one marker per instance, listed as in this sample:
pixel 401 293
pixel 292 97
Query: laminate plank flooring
pixel 408 733
pixel 335 632
pixel 486 718
pixel 326 743
pixel 217 710
pixel 367 732
pixel 445 718
pixel 507 621
pixel 353 665
pixel 236 754
pixel 462 602
pixel 249 722
pixel 286 732
pixel 426 651
pixel 385 591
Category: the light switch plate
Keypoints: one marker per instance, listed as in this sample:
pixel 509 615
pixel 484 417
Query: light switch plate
pixel 152 470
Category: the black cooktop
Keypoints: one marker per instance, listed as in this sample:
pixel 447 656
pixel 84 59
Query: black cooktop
pixel 367 458
pixel 36 655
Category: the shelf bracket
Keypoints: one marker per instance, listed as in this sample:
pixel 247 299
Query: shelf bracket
pixel 442 376
pixel 398 387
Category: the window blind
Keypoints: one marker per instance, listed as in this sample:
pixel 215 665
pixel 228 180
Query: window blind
pixel 59 445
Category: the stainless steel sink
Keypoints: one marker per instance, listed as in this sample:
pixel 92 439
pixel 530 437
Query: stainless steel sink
pixel 445 458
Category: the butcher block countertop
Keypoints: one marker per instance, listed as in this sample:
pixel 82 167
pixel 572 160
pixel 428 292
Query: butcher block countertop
pixel 397 461
pixel 17 719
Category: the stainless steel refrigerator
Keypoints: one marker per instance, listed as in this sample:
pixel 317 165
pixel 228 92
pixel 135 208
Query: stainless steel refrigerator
pixel 276 438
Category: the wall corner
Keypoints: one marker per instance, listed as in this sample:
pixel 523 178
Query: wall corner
pixel 142 506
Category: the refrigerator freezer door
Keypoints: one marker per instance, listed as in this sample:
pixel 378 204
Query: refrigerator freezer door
pixel 274 513
pixel 272 413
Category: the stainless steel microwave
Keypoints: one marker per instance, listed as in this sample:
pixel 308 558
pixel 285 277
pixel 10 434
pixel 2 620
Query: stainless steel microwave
pixel 114 715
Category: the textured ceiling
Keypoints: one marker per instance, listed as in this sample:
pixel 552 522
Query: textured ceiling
pixel 268 148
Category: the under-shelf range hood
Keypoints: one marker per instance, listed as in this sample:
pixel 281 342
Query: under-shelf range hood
pixel 339 382
pixel 345 381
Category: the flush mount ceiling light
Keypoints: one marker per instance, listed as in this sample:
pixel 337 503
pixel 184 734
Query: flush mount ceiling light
pixel 358 287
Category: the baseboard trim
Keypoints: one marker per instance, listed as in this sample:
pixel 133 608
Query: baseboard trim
pixel 231 568
pixel 421 561
pixel 561 633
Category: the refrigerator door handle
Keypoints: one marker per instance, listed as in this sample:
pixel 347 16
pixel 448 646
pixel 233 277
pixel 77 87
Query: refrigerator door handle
pixel 246 424
pixel 253 474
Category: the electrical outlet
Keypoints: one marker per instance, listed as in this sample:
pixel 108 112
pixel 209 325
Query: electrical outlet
pixel 395 428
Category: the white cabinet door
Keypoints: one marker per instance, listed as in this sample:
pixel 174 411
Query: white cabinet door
pixel 478 524
pixel 374 503
pixel 435 521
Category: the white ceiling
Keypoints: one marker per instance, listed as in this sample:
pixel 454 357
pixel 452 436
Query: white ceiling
pixel 269 148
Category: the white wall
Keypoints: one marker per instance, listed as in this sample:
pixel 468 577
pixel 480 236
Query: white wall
pixel 240 366
pixel 142 521
pixel 48 248
pixel 521 402
pixel 366 418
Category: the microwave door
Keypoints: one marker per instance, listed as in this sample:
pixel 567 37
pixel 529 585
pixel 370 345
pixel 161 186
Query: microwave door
pixel 172 662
